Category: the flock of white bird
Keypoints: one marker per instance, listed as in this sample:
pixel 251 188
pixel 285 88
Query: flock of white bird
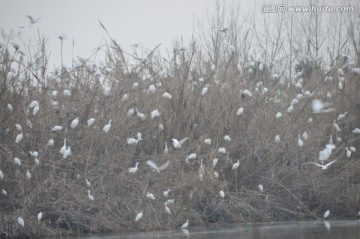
pixel 318 106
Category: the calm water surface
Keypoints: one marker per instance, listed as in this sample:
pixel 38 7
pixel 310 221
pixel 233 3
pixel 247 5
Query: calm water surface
pixel 344 229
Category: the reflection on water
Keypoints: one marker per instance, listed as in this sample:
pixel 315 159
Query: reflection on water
pixel 349 229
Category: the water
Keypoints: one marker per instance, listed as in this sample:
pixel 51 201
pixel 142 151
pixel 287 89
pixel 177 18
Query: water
pixel 349 229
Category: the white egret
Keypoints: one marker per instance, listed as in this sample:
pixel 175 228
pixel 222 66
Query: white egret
pixel 261 188
pixel 37 162
pixel 21 221
pixel 67 153
pixel 90 121
pixel 204 90
pixel 157 169
pixel 305 135
pixel 32 20
pixel 131 112
pixel 139 216
pixel 19 137
pixel 134 169
pixel 107 127
pixel 167 95
pixel 326 214
pixel 36 110
pixel 227 138
pixel 214 162
pixel 151 89
pixel 166 193
pixel 341 116
pixel 3 191
pixel 300 142
pixel 247 93
pixel 67 92
pixel 33 104
pixel 17 161
pixel 88 184
pixel 319 107
pixel 150 196
pixel 278 115
pixel 140 115
pixel 50 143
pixel 166 150
pixel 352 149
pixel 18 127
pixel 240 111
pixel 236 165
pixel 1 175
pixel 161 127
pixel 216 174
pixel 63 148
pixel 56 128
pixel 34 153
pixel 125 97
pixel 177 144
pixel 54 93
pixel 222 150
pixel 191 156
pixel 167 209
pixel 10 107
pixel 155 113
pixel 135 85
pixel 91 198
pixel 207 141
pixel 336 126
pixel 185 225
pixel 356 131
pixel 348 152
pixel 222 194
pixel 310 120
pixel 213 67
pixel 74 123
pixel 39 216
pixel 28 174
pixel 277 139
pixel 324 167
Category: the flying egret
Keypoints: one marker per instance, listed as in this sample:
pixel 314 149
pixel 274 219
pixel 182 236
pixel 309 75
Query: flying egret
pixel 326 214
pixel 177 144
pixel 21 221
pixel 166 193
pixel 107 127
pixel 19 137
pixel 185 225
pixel 240 111
pixel 91 198
pixel 63 148
pixel 88 184
pixel 261 188
pixel 167 209
pixel 222 194
pixel 74 123
pixel 278 115
pixel 28 174
pixel 32 20
pixel 236 165
pixel 223 30
pixel 150 196
pixel 207 141
pixel 336 126
pixel 324 167
pixel 134 169
pixel 17 161
pixel 39 216
pixel 91 121
pixel 277 139
pixel 348 152
pixel 67 153
pixel 50 143
pixel 153 165
pixel 139 216
pixel 300 142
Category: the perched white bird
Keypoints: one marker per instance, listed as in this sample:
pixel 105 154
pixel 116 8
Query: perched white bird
pixel 177 144
pixel 207 141
pixel 1 175
pixel 125 97
pixel 348 152
pixel 17 161
pixel 341 116
pixel 88 184
pixel 18 127
pixel 33 104
pixel 319 107
pixel 222 150
pixel 157 169
pixel 10 107
pixel 300 142
pixel 139 216
pixel 204 90
pixel 140 115
pixel 28 174
pixel 277 139
pixel 56 128
pixel 278 115
pixel 34 153
pixel 135 85
pixel 134 169
pixel 336 126
pixel 305 135
pixel 37 162
pixel 240 111
pixel 216 174
pixel 170 201
pixel 19 137
pixel 261 188
pixel 236 165
pixel 67 153
pixel 324 167
pixel 214 162
pixel 67 92
pixel 91 198
pixel 131 141
pixel 21 221
pixel 36 110
pixel 107 127
pixel 151 89
pixel 167 209
pixel 63 148
pixel 227 138
pixel 39 216
pixel 91 121
pixel 131 112
pixel 185 225
pixel 326 214
pixel 166 193
pixel 352 149
pixel 74 123
pixel 191 156
pixel 50 143
pixel 167 95
pixel 166 150
pixel 222 194
pixel 3 191
pixel 150 196
pixel 290 109
pixel 356 131
pixel 155 113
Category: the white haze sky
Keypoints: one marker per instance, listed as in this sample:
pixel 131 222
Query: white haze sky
pixel 149 22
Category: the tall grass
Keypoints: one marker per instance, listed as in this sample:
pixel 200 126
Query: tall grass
pixel 293 188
